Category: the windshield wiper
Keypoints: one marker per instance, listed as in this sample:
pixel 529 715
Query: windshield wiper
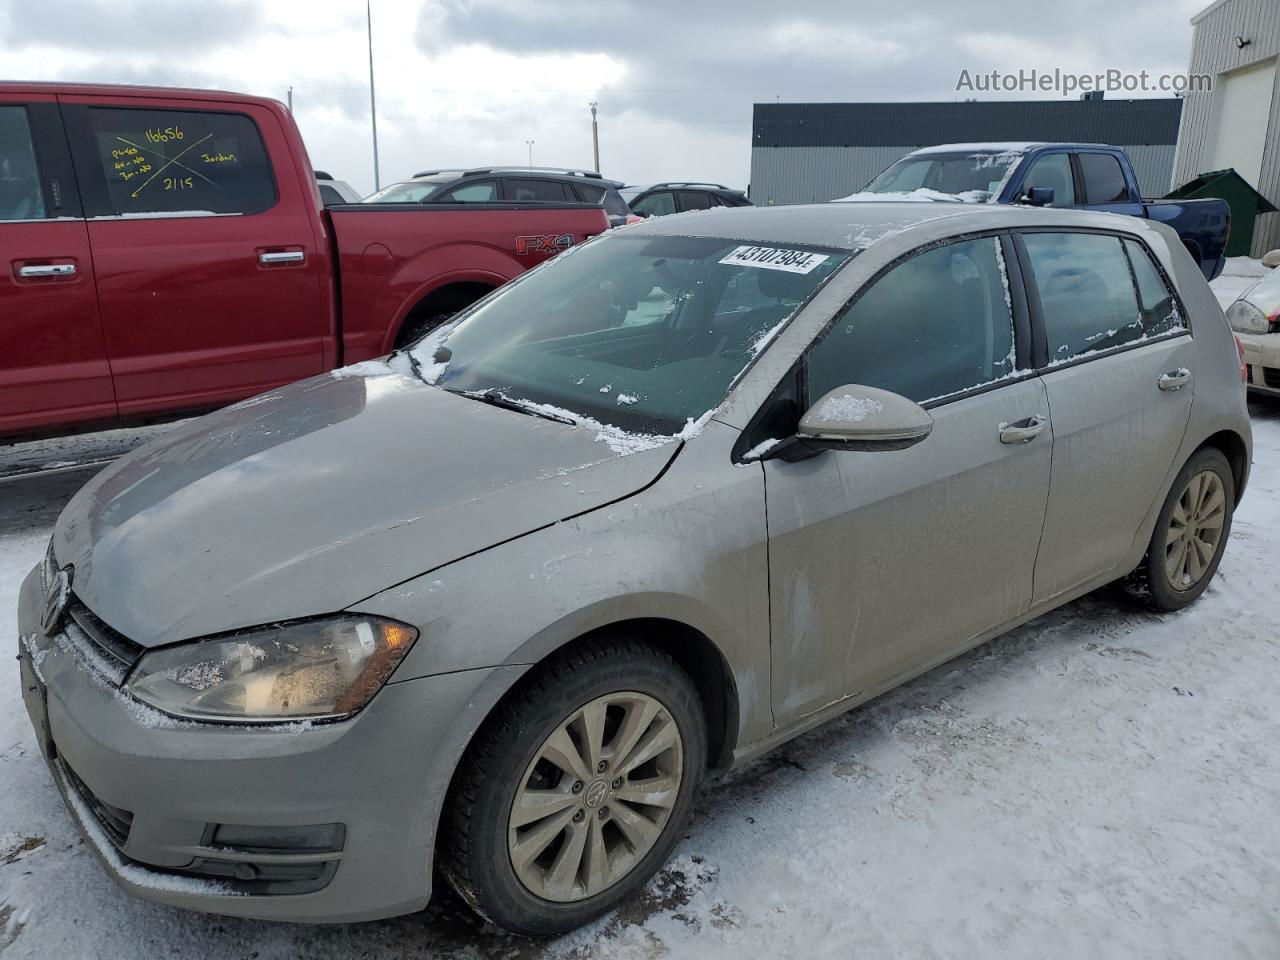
pixel 496 398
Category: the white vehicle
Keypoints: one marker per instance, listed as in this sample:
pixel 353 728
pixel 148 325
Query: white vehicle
pixel 1255 317
pixel 335 191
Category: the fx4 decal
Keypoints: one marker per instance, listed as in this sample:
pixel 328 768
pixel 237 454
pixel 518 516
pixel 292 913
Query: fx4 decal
pixel 550 244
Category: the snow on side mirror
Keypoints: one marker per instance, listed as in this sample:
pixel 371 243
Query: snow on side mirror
pixel 854 417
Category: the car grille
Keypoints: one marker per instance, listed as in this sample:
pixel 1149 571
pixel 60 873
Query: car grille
pixel 1271 377
pixel 114 645
pixel 115 822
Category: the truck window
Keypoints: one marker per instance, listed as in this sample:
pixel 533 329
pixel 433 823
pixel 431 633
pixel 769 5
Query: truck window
pixel 484 192
pixel 536 191
pixel 1103 179
pixel 1053 170
pixel 1087 294
pixel 181 161
pixel 20 197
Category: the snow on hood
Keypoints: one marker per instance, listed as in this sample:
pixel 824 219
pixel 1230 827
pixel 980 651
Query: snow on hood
pixel 316 496
pixel 918 195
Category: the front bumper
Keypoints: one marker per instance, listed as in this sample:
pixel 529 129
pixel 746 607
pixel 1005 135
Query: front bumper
pixel 1262 354
pixel 150 792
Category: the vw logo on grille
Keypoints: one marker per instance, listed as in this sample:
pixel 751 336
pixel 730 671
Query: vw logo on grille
pixel 56 598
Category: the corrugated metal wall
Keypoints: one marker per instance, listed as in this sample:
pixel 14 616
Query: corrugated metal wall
pixel 816 174
pixel 1214 52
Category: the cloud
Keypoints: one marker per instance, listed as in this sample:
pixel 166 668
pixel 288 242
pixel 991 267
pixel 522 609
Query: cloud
pixel 127 26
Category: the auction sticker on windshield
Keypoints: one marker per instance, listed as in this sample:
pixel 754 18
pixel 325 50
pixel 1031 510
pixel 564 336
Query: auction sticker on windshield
pixel 776 258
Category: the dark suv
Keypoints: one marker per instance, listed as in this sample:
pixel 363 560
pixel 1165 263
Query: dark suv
pixel 509 185
pixel 659 199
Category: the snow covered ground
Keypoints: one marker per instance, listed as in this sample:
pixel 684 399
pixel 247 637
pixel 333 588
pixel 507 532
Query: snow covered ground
pixel 1099 783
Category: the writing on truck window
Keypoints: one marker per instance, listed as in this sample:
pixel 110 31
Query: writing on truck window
pixel 178 161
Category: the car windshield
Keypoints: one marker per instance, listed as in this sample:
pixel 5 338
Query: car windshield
pixel 639 333
pixel 408 191
pixel 967 174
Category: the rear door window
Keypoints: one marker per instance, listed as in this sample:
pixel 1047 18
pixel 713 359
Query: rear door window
pixel 1103 179
pixel 20 194
pixel 656 204
pixel 486 191
pixel 936 325
pixel 537 191
pixel 1087 293
pixel 694 200
pixel 1160 313
pixel 1053 170
pixel 181 161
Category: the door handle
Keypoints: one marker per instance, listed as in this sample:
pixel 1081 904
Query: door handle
pixel 1174 379
pixel 1024 431
pixel 47 270
pixel 281 256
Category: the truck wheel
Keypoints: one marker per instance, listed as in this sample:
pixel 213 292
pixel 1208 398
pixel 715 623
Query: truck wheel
pixel 1189 536
pixel 573 796
pixel 415 329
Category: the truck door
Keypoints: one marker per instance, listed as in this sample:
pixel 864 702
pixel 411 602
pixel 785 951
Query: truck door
pixel 213 279
pixel 1104 185
pixel 53 358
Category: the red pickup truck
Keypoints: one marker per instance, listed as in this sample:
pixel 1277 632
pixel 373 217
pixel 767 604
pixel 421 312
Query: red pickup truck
pixel 165 251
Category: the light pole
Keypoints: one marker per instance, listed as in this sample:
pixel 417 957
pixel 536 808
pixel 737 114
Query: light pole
pixel 373 105
pixel 595 136
pixel 529 144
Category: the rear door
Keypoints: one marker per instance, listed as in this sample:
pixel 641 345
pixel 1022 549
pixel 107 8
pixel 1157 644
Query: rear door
pixel 695 200
pixel 1104 184
pixel 883 561
pixel 213 281
pixel 53 357
pixel 1118 365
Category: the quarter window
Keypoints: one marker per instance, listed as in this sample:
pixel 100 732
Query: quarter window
pixel 936 325
pixel 180 161
pixel 1087 293
pixel 1053 170
pixel 20 196
pixel 1103 179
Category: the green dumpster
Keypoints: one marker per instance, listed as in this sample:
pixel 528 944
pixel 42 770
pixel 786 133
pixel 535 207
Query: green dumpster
pixel 1245 203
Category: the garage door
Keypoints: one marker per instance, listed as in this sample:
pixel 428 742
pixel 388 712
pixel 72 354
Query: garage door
pixel 1242 104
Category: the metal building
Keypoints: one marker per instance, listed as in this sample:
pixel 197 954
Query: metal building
pixel 811 152
pixel 1237 124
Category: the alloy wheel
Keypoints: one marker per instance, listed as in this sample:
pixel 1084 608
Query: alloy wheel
pixel 1195 530
pixel 596 797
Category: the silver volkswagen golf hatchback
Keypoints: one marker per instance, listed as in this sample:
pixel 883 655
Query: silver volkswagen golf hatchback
pixel 493 607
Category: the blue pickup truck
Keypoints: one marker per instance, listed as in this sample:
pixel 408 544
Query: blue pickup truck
pixel 1089 176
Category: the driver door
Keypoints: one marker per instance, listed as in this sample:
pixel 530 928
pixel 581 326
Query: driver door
pixel 882 562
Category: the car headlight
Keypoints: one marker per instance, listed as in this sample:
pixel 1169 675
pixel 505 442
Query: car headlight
pixel 304 670
pixel 1244 317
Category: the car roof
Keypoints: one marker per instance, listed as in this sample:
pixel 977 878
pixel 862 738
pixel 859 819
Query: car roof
pixel 122 90
pixel 681 184
pixel 562 174
pixel 856 226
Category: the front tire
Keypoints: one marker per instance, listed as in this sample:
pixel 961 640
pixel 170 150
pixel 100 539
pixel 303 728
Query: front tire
pixel 1190 534
pixel 573 796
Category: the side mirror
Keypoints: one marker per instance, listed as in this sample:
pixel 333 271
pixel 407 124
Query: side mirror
pixel 1038 197
pixel 863 418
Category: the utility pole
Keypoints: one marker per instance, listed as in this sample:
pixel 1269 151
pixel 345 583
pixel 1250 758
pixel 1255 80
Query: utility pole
pixel 595 136
pixel 291 99
pixel 373 105
pixel 529 144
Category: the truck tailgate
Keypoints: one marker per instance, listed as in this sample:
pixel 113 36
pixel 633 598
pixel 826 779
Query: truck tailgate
pixel 392 256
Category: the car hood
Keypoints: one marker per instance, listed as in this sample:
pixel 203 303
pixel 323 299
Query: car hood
pixel 311 498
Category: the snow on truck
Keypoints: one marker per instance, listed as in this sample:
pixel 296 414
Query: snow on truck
pixel 1087 176
pixel 168 252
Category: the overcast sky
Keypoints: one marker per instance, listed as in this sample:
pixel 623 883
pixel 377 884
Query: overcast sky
pixel 469 81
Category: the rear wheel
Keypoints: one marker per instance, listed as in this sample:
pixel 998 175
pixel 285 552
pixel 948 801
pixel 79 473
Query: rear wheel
pixel 574 795
pixel 1190 534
